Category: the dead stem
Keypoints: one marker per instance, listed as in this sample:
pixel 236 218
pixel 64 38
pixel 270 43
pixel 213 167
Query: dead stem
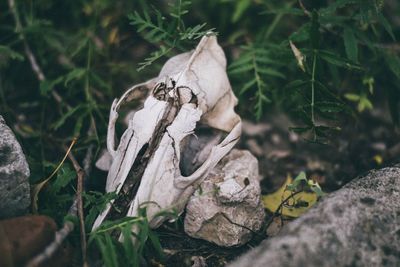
pixel 278 210
pixel 237 224
pixel 49 251
pixel 80 175
pixel 306 12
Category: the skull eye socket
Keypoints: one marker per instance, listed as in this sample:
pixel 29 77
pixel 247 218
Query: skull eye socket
pixel 160 91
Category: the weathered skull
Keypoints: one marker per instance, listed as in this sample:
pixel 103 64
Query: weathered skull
pixel 191 87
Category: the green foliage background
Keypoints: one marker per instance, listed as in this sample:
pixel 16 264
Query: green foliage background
pixel 91 51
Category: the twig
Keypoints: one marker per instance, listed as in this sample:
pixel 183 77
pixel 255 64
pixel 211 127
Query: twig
pixel 52 248
pixel 278 210
pixel 240 225
pixel 87 160
pixel 32 59
pixel 81 175
pixel 306 12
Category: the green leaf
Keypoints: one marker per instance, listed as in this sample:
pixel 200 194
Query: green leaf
pixel 110 252
pixel 241 69
pixel 316 188
pixel 330 106
pixel 60 122
pixel 296 84
pixel 75 74
pixel 364 104
pixel 302 34
pixel 247 86
pixel 64 176
pixel 285 11
pixel 151 31
pixel 6 51
pixel 300 130
pixel 336 5
pixel 127 244
pixel 163 51
pixel 245 58
pixel 393 62
pixel 271 72
pixel 79 124
pixel 241 7
pixel 385 23
pixel 352 97
pixel 304 116
pixel 47 86
pixel 301 177
pixel 195 32
pixel 350 44
pixel 336 60
pixel 155 241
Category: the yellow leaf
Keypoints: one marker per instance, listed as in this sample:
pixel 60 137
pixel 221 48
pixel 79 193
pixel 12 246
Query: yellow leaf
pixel 113 36
pixel 378 159
pixel 272 201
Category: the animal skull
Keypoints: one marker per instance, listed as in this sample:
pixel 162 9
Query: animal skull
pixel 192 87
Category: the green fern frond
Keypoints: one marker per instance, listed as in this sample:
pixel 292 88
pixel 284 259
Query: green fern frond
pixel 257 63
pixel 152 32
pixel 169 33
pixel 154 56
pixel 195 32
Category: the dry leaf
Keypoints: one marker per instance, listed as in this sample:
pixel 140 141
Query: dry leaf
pixel 299 56
pixel 272 201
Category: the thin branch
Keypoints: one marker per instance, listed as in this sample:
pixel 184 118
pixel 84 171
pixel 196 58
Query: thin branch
pixel 278 210
pixel 240 225
pixel 81 175
pixel 305 11
pixel 52 248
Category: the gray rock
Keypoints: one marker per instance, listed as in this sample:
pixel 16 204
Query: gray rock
pixel 14 175
pixel 358 225
pixel 228 202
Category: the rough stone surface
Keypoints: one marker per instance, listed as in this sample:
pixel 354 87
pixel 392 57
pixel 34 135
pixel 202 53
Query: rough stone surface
pixel 14 174
pixel 358 225
pixel 230 196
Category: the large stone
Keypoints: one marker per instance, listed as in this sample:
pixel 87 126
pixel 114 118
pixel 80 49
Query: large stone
pixel 24 237
pixel 227 207
pixel 358 225
pixel 14 175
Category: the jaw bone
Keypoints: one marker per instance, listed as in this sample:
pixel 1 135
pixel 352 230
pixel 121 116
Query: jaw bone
pixel 191 87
